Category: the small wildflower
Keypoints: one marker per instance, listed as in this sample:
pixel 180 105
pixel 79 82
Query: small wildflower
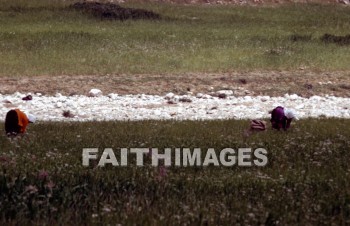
pixel 50 185
pixel 43 174
pixel 162 172
pixel 31 189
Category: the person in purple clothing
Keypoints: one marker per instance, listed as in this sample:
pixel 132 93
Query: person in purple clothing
pixel 281 118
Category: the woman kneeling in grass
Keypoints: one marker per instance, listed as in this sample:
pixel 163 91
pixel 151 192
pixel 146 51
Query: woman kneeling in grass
pixel 17 121
pixel 281 118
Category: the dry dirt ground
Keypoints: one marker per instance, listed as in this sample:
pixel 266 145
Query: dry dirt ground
pixel 272 83
pixel 236 2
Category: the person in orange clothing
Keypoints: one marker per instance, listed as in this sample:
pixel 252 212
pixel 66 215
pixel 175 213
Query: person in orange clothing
pixel 16 122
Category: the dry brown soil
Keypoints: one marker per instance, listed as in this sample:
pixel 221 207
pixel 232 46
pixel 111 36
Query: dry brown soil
pixel 272 83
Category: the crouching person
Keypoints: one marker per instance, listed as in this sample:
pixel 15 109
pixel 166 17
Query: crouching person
pixel 17 121
pixel 281 118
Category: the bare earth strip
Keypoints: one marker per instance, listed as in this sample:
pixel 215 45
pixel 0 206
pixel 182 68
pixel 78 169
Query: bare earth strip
pixel 271 83
pixel 239 2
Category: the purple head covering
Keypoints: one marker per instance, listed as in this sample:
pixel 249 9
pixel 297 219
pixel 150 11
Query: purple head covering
pixel 278 119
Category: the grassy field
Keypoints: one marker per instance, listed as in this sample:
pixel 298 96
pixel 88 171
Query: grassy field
pixel 43 182
pixel 306 180
pixel 37 38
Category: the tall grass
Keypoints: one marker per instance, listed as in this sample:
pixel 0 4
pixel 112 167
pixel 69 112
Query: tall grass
pixel 306 181
pixel 46 37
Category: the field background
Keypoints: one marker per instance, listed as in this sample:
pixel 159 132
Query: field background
pixel 269 49
pixel 40 39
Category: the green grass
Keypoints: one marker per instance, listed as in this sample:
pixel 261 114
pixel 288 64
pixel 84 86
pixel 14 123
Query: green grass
pixel 306 181
pixel 37 38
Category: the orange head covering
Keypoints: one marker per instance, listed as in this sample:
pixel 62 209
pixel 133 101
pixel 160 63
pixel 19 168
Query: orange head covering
pixel 22 120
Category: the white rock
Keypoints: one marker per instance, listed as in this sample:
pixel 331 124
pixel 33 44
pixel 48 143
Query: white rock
pixel 95 93
pixel 264 98
pixel 315 98
pixel 157 112
pixel 199 95
pixel 176 98
pixel 293 97
pixel 58 105
pixel 301 106
pixel 248 98
pixel 113 96
pixel 185 98
pixel 169 96
pixel 206 96
pixel 225 92
pixel 18 95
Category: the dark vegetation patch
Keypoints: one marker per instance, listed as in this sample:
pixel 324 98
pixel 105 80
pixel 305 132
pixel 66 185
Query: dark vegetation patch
pixel 326 38
pixel 243 81
pixel 67 114
pixel 24 9
pixel 340 40
pixel 300 38
pixel 308 86
pixel 345 86
pixel 114 12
